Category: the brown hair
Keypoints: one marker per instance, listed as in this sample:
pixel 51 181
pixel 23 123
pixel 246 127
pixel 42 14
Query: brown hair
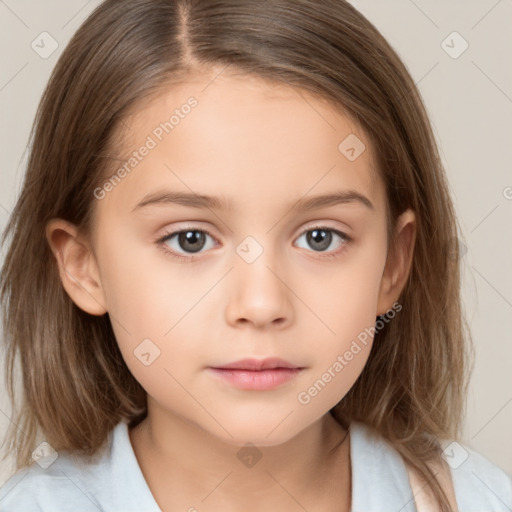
pixel 76 386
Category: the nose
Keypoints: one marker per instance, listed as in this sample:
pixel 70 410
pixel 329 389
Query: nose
pixel 259 293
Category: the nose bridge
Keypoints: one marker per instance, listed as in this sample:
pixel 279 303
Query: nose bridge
pixel 259 293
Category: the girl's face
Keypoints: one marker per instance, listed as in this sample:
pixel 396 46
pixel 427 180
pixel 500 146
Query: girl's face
pixel 253 279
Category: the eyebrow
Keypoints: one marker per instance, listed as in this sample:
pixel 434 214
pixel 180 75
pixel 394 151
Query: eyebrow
pixel 220 203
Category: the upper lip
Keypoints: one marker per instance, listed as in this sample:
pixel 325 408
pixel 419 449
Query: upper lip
pixel 258 364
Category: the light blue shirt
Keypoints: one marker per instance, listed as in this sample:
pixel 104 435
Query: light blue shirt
pixel 115 483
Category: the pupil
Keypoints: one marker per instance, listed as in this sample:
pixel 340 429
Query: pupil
pixel 321 237
pixel 189 239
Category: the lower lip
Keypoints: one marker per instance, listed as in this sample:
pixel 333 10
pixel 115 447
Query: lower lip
pixel 259 380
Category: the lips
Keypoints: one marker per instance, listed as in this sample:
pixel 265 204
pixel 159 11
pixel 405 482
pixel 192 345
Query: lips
pixel 257 364
pixel 256 374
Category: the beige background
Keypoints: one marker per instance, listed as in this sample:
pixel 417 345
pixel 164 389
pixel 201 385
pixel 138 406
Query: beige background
pixel 469 99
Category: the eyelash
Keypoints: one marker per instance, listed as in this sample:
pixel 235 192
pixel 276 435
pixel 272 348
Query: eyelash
pixel 346 240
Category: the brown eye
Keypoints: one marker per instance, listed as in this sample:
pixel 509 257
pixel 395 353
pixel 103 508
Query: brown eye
pixel 191 241
pixel 321 238
pixel 185 242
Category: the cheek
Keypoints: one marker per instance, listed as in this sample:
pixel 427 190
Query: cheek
pixel 347 308
pixel 158 310
pixel 343 294
pixel 144 289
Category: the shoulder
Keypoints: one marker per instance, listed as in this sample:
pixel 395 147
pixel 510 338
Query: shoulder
pixel 471 482
pixel 422 494
pixel 479 483
pixel 111 481
pixel 57 487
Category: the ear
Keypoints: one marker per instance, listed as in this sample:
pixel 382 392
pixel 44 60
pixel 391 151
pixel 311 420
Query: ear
pixel 78 269
pixel 398 262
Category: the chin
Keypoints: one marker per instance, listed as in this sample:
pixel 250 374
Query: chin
pixel 259 433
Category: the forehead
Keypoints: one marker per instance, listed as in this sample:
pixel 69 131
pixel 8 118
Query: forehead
pixel 245 139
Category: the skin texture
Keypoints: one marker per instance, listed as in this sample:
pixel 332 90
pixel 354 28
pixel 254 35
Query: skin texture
pixel 263 147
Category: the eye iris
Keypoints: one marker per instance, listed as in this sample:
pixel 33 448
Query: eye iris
pixel 317 236
pixel 187 238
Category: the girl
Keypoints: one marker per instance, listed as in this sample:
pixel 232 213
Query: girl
pixel 286 140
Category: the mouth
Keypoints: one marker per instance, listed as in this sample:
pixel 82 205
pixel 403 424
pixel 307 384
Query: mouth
pixel 257 375
pixel 269 363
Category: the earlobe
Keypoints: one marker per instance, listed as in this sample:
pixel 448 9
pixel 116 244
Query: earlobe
pixel 399 262
pixel 77 265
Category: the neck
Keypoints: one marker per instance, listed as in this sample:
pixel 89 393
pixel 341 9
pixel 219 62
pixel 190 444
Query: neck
pixel 184 465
